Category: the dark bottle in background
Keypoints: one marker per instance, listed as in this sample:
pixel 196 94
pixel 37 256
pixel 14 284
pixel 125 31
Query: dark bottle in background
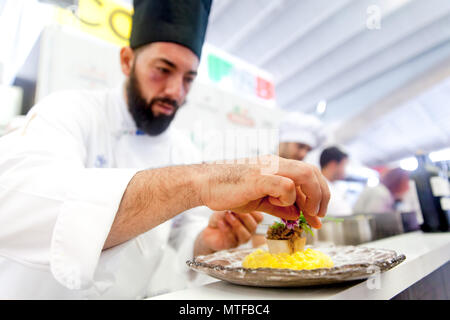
pixel 429 181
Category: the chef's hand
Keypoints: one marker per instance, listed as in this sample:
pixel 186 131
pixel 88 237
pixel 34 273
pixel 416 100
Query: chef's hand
pixel 226 230
pixel 273 185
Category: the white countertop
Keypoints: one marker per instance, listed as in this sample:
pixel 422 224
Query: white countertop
pixel 425 252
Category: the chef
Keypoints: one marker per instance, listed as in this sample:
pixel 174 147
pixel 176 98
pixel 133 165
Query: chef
pixel 95 183
pixel 333 163
pixel 300 133
pixel 387 196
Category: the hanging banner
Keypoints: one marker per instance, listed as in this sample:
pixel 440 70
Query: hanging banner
pixel 111 21
pixel 238 76
pixel 105 19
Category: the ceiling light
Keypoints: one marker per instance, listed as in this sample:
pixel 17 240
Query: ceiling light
pixel 440 155
pixel 321 107
pixel 409 164
pixel 373 182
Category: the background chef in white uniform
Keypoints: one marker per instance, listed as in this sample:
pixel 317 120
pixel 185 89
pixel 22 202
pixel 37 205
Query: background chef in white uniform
pixel 300 133
pixel 93 183
pixel 386 196
pixel 333 163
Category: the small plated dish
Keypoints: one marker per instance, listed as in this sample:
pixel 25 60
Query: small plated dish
pixel 350 263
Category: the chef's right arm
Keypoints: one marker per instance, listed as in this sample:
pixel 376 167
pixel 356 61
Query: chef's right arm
pixel 157 195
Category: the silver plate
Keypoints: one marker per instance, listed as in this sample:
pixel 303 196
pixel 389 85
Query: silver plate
pixel 350 263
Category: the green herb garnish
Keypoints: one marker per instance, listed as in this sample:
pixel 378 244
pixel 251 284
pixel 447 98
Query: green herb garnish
pixel 277 225
pixel 304 225
pixel 333 219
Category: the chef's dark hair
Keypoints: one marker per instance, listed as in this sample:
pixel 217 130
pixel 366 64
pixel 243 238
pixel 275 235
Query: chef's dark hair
pixel 332 154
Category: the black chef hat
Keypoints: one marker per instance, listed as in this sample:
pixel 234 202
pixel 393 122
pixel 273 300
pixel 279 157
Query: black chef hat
pixel 180 21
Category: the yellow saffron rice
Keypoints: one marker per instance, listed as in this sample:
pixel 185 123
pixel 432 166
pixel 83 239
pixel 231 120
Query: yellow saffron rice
pixel 307 259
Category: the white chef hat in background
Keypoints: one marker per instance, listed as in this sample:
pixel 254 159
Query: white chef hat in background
pixel 302 128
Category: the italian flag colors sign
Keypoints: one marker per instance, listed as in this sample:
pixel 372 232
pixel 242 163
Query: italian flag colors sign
pixel 238 76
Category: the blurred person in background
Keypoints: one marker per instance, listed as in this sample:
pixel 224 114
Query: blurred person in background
pixel 91 191
pixel 333 163
pixel 299 134
pixel 386 196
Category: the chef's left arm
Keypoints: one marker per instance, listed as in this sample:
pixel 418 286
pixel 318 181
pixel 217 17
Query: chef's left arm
pixel 198 231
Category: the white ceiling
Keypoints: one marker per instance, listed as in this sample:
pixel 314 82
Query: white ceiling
pixel 322 49
pixel 421 123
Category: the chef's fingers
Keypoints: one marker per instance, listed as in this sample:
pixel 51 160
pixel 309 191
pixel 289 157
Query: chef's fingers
pixel 303 176
pixel 257 216
pixel 239 230
pixel 288 213
pixel 313 194
pixel 313 221
pixel 301 198
pixel 215 217
pixel 248 221
pixel 325 194
pixel 279 190
pixel 229 238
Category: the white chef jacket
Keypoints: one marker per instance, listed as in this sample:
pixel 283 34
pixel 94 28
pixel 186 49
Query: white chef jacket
pixel 338 204
pixel 62 177
pixel 373 200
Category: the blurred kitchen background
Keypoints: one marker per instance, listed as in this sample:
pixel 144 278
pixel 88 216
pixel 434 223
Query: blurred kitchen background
pixel 376 73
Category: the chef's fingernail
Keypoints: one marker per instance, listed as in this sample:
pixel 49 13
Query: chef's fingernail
pixel 231 215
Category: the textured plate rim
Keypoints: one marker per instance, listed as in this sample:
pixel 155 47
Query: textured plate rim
pixel 384 265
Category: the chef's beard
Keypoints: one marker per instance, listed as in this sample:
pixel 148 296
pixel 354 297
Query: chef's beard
pixel 141 110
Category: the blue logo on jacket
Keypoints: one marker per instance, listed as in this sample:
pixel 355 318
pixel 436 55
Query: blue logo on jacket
pixel 100 161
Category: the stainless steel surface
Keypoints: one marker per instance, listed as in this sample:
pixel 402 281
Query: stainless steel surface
pixel 387 225
pixel 351 230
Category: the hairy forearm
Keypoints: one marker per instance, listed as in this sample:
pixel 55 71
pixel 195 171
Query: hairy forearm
pixel 153 197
